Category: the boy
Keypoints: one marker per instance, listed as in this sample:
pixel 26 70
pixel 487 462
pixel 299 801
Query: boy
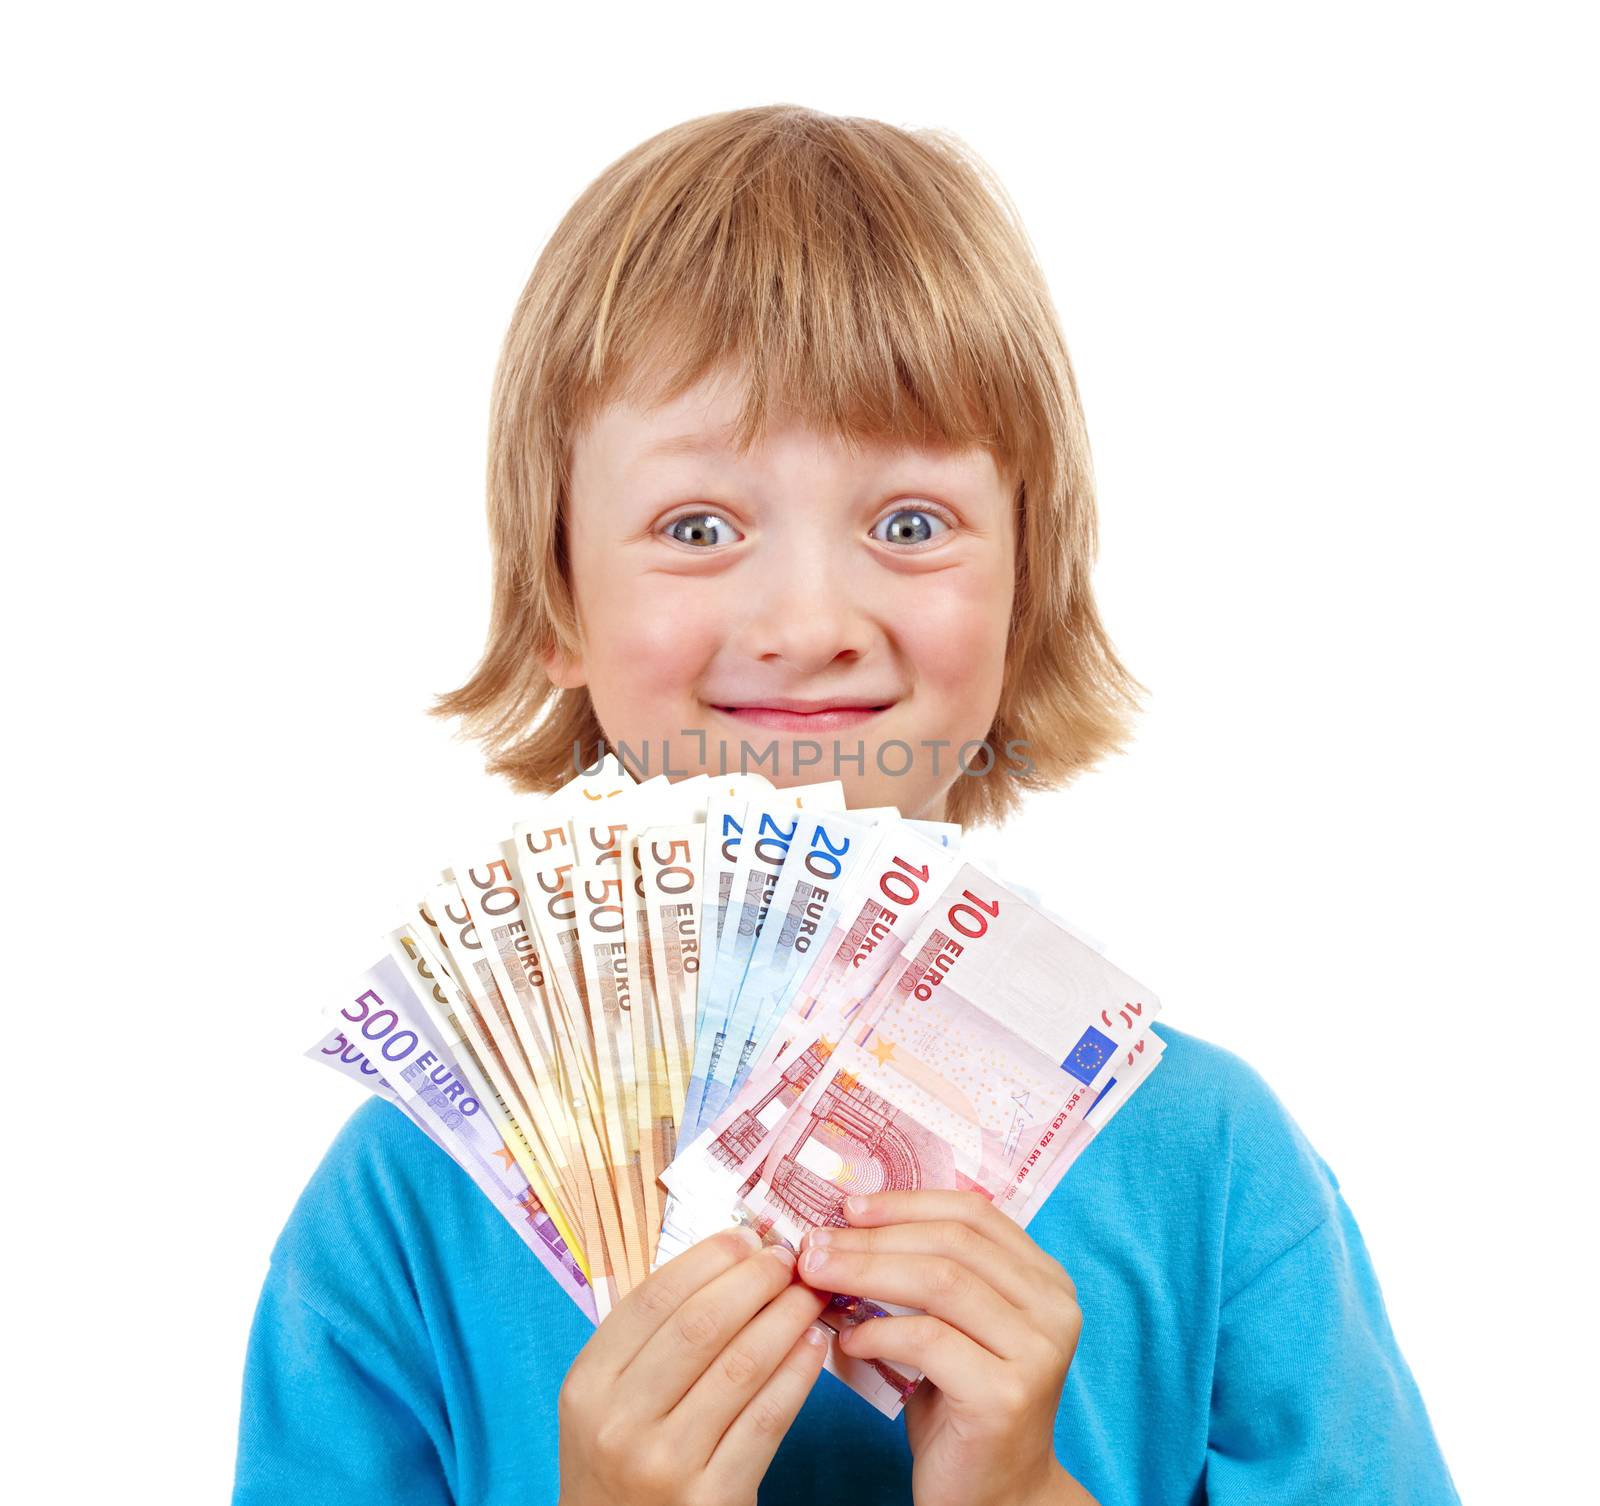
pixel 786 451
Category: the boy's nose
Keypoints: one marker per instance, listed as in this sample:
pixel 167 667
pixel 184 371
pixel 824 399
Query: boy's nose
pixel 805 615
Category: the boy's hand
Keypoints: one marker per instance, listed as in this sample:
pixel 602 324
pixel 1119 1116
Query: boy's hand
pixel 1000 1327
pixel 687 1388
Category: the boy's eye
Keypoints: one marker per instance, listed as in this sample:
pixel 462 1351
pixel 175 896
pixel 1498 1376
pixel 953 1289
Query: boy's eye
pixel 702 529
pixel 908 525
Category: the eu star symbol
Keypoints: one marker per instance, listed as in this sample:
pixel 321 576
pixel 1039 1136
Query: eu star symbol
pixel 505 1152
pixel 1091 1053
pixel 883 1051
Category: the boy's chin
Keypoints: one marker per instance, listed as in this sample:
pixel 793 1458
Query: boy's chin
pixel 868 766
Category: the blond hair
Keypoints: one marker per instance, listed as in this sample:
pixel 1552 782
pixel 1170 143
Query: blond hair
pixel 877 281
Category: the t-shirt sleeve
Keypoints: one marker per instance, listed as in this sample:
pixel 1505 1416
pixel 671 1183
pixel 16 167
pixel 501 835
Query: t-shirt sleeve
pixel 328 1418
pixel 343 1397
pixel 1311 1398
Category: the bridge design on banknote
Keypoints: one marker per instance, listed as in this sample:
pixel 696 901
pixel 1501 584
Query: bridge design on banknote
pixel 854 1140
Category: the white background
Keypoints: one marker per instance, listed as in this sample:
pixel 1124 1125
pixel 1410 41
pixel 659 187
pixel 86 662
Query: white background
pixel 1327 275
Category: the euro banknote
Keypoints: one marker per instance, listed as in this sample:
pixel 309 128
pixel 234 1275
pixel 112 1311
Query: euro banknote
pixel 657 1008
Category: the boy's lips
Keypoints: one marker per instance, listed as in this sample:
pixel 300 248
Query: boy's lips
pixel 784 715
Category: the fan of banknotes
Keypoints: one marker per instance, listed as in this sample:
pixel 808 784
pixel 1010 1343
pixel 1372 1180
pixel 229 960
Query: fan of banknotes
pixel 661 1008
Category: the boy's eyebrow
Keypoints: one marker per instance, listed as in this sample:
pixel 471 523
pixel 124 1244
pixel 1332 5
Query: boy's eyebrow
pixel 697 443
pixel 705 443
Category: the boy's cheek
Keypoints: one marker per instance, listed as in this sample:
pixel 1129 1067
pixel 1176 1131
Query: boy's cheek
pixel 956 638
pixel 645 660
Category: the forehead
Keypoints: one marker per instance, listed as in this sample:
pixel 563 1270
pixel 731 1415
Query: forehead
pixel 633 439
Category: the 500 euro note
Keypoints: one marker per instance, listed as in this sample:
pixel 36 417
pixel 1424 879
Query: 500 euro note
pixel 381 1036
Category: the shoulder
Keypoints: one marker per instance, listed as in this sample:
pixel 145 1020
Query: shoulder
pixel 1204 1091
pixel 370 1214
pixel 1218 1140
pixel 379 1160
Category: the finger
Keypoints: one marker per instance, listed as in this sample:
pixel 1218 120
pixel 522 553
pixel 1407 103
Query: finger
pixel 1017 1283
pixel 966 1372
pixel 753 1437
pixel 970 1208
pixel 749 1361
pixel 942 1286
pixel 676 1355
pixel 635 1319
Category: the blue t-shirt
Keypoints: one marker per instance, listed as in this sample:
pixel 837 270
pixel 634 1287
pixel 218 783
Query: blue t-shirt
pixel 408 1347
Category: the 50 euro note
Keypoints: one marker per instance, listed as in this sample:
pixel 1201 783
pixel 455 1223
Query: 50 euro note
pixel 991 1044
pixel 491 891
pixel 544 857
pixel 601 1237
pixel 455 931
pixel 668 860
pixel 654 1098
pixel 668 879
pixel 546 862
pixel 459 1031
pixel 380 1037
pixel 602 900
pixel 491 1041
pixel 654 1101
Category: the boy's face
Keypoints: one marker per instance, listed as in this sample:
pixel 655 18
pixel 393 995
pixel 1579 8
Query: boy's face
pixel 800 595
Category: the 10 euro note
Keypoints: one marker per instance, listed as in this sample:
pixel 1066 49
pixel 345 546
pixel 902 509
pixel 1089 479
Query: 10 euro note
pixel 994 1041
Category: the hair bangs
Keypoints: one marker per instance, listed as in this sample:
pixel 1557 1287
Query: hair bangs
pixel 832 262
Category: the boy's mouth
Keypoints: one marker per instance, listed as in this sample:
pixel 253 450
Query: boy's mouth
pixel 781 714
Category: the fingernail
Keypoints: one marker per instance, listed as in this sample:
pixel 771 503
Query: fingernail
pixel 817 1335
pixel 784 1253
pixel 748 1238
pixel 855 1205
pixel 816 1238
pixel 813 1261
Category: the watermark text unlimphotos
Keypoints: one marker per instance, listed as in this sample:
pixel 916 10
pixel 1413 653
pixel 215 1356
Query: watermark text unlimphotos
pixel 893 759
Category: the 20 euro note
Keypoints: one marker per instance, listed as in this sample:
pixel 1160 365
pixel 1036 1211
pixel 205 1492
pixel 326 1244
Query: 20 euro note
pixel 726 800
pixel 785 919
pixel 764 828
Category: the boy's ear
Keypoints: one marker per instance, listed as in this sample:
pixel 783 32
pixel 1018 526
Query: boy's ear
pixel 564 670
